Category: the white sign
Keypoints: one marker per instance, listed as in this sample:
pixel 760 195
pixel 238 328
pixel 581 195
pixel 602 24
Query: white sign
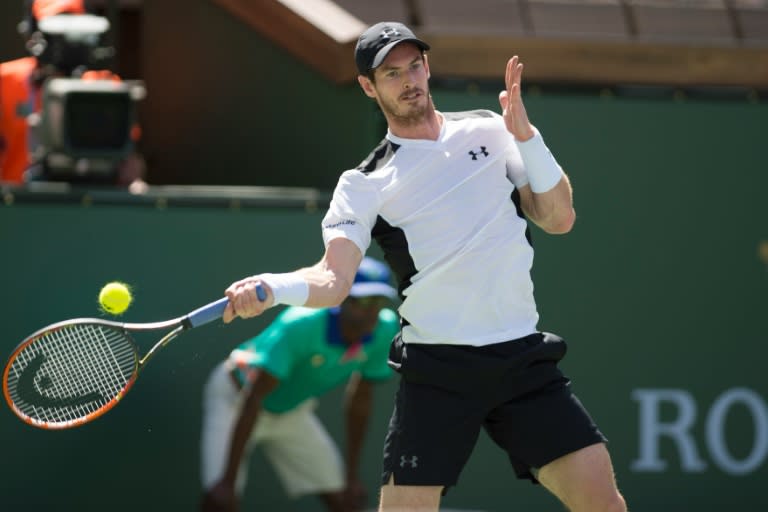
pixel 678 430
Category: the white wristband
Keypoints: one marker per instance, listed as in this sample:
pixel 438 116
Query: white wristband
pixel 290 288
pixel 543 170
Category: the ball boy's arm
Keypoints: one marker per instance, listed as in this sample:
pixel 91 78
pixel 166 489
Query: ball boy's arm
pixel 358 405
pixel 262 385
pixel 222 495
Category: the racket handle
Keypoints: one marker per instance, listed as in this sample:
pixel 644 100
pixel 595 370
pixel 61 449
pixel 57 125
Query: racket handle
pixel 214 310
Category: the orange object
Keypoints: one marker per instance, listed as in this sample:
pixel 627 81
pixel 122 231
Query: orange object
pixel 100 74
pixel 44 8
pixel 18 99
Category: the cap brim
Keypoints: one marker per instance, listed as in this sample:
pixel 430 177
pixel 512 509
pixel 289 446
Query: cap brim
pixel 372 289
pixel 382 54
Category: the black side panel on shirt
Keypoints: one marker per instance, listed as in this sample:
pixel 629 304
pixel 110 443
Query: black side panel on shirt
pixel 391 239
pixel 515 196
pixel 395 247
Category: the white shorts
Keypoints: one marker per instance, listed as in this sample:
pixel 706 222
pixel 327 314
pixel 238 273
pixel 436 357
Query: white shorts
pixel 296 443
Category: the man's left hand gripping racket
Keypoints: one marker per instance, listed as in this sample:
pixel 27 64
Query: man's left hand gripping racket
pixel 72 372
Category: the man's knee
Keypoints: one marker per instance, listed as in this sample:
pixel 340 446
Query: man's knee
pixel 584 481
pixel 619 505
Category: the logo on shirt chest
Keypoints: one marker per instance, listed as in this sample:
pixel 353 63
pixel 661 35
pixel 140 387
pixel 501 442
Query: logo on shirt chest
pixel 482 151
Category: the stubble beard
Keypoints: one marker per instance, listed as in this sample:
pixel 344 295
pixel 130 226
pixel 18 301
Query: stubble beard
pixel 409 115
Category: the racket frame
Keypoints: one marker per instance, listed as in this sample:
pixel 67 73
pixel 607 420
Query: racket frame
pixel 196 318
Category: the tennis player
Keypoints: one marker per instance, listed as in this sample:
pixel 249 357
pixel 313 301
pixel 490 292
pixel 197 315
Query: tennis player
pixel 447 196
pixel 264 394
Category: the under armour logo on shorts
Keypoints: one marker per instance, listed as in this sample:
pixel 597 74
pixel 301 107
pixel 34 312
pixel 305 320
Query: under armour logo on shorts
pixel 412 462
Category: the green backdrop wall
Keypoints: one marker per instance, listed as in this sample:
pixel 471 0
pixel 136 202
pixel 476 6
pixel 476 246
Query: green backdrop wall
pixel 660 290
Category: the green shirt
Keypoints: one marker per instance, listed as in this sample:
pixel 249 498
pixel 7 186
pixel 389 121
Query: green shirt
pixel 303 349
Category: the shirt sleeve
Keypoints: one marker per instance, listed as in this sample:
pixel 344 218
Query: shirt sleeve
pixel 516 173
pixel 515 168
pixel 353 210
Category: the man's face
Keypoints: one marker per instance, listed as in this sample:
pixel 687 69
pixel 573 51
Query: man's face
pixel 401 85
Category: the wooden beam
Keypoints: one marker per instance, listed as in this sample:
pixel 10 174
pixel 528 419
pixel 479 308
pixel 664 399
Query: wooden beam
pixel 326 43
pixel 600 62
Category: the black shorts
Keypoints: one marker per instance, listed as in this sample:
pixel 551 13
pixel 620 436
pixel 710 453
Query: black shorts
pixel 513 389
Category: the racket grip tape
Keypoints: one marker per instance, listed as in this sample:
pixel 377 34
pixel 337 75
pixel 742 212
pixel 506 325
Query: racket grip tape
pixel 215 310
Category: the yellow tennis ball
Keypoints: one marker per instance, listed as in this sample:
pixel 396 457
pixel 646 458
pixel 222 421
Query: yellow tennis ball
pixel 115 298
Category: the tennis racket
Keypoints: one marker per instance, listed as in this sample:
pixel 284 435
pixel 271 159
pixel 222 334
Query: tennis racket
pixel 72 372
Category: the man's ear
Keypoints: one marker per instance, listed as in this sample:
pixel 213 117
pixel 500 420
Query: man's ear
pixel 426 65
pixel 367 86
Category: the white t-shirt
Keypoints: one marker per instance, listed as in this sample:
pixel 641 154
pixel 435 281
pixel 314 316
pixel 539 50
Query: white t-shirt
pixel 447 216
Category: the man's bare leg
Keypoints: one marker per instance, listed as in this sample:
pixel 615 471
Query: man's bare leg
pixel 409 498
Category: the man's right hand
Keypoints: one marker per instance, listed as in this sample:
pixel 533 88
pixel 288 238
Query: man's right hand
pixel 243 301
pixel 220 498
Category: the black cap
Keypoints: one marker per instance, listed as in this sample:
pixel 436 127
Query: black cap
pixel 374 44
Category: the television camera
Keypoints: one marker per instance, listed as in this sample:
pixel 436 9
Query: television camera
pixel 86 124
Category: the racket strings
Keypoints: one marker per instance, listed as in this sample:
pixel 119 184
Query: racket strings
pixel 71 372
